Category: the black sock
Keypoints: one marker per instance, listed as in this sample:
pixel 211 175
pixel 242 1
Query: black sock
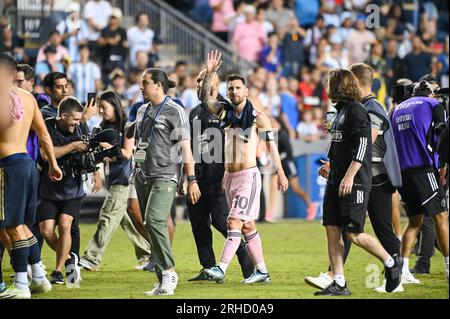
pixel 35 254
pixel 19 255
pixel 75 233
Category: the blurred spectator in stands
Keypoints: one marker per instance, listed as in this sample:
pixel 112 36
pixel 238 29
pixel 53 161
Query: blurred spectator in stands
pixel 359 41
pixel 319 120
pixel 85 74
pixel 410 12
pixel 202 13
pixel 113 43
pixel 442 66
pixel 70 87
pixel 96 13
pixel 375 59
pixel 142 61
pixel 249 37
pixel 118 84
pixel 307 12
pixel 312 40
pixel 335 55
pixel 393 63
pixel 140 37
pixel 237 18
pixel 153 56
pixel 12 44
pixel 288 106
pixel 293 50
pixel 331 10
pixel 74 31
pixel 311 89
pixel 50 63
pixel 174 93
pixel 134 93
pixel 443 20
pixel 223 11
pixel 417 63
pixel 180 71
pixel 395 28
pixel 24 78
pixel 271 55
pixel 307 128
pixel 61 54
pixel 270 98
pixel 189 96
pixel 261 17
pixel 293 87
pixel 279 16
pixel 346 25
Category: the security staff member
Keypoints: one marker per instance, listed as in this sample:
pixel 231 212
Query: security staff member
pixel 212 207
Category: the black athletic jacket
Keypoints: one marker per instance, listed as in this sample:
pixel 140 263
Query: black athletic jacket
pixel 351 141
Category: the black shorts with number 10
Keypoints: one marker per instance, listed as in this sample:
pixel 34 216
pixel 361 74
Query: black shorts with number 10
pixel 348 212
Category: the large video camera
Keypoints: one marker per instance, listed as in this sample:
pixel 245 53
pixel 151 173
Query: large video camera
pixel 80 164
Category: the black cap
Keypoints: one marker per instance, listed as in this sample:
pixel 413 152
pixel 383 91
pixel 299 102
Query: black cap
pixel 429 78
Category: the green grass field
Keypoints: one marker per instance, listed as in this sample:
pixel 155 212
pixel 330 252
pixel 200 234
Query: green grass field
pixel 292 250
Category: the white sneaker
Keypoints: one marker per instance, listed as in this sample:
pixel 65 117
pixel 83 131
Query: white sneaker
pixel 408 278
pixel 382 288
pixel 169 282
pixel 15 293
pixel 155 291
pixel 320 282
pixel 142 262
pixel 41 287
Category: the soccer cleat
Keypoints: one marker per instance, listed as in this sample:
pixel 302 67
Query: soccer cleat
pixel 320 282
pixel 56 278
pixel 393 276
pixel 409 279
pixel 169 282
pixel 257 276
pixel 334 290
pixel 150 266
pixel 15 293
pixel 86 265
pixel 73 270
pixel 420 268
pixel 155 291
pixel 216 274
pixel 41 287
pixel 202 276
pixel 2 287
pixel 382 288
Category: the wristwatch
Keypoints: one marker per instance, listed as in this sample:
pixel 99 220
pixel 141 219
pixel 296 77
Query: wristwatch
pixel 191 178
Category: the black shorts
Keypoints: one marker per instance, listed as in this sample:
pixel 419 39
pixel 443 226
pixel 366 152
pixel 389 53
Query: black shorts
pixel 422 192
pixel 18 190
pixel 349 212
pixel 48 209
pixel 289 168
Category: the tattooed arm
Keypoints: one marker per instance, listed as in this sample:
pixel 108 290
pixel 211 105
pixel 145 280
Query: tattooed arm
pixel 206 95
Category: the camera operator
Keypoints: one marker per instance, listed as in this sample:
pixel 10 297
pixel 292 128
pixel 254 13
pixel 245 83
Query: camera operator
pixel 426 241
pixel 117 173
pixel 417 122
pixel 60 202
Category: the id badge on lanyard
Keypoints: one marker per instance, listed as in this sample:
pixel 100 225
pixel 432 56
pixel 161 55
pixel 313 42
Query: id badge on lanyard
pixel 140 155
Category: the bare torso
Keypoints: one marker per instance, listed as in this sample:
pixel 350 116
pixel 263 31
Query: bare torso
pixel 13 135
pixel 240 152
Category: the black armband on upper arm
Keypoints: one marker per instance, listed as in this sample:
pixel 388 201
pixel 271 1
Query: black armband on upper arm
pixel 268 136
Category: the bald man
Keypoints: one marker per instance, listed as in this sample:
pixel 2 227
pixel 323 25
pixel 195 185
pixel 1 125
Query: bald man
pixel 212 207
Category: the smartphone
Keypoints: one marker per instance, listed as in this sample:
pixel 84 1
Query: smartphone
pixel 91 96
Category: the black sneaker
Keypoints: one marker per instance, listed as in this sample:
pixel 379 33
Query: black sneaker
pixel 202 276
pixel 393 275
pixel 56 278
pixel 334 290
pixel 420 268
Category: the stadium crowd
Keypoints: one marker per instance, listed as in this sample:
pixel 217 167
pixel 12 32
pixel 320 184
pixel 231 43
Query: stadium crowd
pixel 294 45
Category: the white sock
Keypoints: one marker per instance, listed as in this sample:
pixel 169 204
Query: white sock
pixel 37 272
pixel 405 269
pixel 389 263
pixel 339 279
pixel 223 266
pixel 446 262
pixel 21 280
pixel 399 238
pixel 262 268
